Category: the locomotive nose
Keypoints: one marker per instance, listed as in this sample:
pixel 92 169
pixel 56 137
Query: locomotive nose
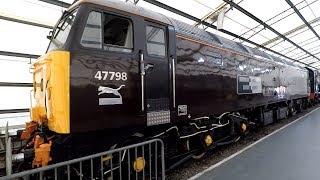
pixel 50 97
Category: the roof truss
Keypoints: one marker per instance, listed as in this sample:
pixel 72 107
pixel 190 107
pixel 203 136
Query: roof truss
pixel 267 26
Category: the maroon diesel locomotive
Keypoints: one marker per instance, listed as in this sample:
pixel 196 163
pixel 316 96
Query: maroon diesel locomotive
pixel 116 74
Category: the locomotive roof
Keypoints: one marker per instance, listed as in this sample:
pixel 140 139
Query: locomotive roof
pixel 185 29
pixel 207 37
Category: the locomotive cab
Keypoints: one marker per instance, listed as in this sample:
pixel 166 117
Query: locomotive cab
pixel 104 64
pixel 106 69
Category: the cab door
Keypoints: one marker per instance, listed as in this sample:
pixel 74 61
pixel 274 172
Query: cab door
pixel 156 69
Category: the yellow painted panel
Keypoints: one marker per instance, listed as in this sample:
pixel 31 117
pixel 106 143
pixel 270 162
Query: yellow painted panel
pixel 52 87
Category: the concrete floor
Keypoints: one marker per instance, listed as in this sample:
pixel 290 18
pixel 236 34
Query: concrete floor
pixel 290 154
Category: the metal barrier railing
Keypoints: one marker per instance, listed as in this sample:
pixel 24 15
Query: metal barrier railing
pixel 16 142
pixel 144 160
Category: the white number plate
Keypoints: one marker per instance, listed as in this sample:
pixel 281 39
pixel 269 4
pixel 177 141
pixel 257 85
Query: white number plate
pixel 111 75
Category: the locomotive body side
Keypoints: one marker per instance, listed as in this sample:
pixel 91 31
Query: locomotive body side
pixel 209 85
pixel 294 81
pixel 209 78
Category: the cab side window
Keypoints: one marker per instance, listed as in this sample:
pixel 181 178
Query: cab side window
pixel 108 32
pixel 156 44
pixel 91 36
pixel 118 34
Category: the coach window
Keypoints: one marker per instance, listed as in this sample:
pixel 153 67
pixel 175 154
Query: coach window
pixel 118 33
pixel 91 36
pixel 155 41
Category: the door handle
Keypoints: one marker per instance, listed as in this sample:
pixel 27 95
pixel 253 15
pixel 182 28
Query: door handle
pixel 173 81
pixel 142 73
pixel 148 66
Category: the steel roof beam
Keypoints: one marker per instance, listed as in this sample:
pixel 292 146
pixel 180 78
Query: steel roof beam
pixel 282 17
pixel 290 32
pixel 13 84
pixel 309 56
pixel 302 42
pixel 14 54
pixel 310 61
pixel 8 111
pixel 176 11
pixel 24 21
pixel 57 3
pixel 316 52
pixel 302 18
pixel 301 53
pixel 315 64
pixel 212 13
pixel 266 25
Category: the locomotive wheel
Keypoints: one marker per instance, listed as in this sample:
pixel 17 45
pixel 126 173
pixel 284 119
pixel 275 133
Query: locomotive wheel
pixel 292 111
pixel 199 156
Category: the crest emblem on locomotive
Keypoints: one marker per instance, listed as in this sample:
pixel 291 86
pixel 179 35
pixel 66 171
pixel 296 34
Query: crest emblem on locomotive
pixel 110 100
